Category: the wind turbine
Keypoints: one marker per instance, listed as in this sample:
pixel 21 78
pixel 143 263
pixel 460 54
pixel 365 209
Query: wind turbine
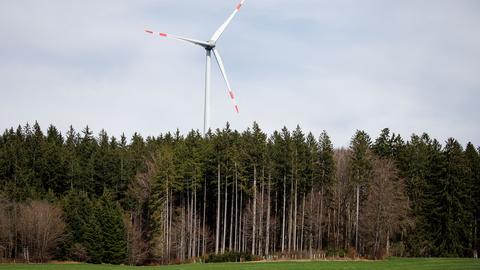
pixel 209 46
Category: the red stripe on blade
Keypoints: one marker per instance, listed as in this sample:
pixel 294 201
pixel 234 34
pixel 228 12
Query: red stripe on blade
pixel 239 6
pixel 236 109
pixel 148 31
pixel 231 95
pixel 163 35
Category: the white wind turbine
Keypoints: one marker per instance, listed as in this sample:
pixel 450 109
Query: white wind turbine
pixel 210 46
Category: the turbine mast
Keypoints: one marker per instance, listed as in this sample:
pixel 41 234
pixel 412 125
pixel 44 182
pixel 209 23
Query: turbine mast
pixel 206 115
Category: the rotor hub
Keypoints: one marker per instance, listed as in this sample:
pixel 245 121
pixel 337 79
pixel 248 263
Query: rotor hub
pixel 211 45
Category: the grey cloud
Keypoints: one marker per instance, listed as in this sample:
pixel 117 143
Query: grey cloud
pixel 334 65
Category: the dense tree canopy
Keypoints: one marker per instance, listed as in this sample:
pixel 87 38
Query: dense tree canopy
pixel 179 197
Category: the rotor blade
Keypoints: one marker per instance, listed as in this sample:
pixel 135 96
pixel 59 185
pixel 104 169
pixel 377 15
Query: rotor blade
pixel 222 28
pixel 222 69
pixel 189 40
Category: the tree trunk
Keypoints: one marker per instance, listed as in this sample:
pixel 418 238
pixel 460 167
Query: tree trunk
pixel 230 238
pixel 244 236
pixel 217 234
pixel 167 223
pixel 303 223
pixel 204 249
pixel 320 223
pixel 224 240
pixel 274 246
pixel 339 223
pixel 254 207
pixel 241 229
pixel 356 219
pixel 290 216
pixel 260 225
pixel 387 248
pixel 236 210
pixel 189 223
pixel 182 232
pixel 475 241
pixel 295 216
pixel 267 230
pixel 170 222
pixel 329 223
pixel 194 241
pixel 283 216
pixel 310 244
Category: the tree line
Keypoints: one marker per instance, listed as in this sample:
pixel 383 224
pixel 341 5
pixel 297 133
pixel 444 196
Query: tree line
pixel 176 198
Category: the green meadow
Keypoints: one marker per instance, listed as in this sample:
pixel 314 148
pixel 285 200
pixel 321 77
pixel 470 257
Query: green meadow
pixel 391 264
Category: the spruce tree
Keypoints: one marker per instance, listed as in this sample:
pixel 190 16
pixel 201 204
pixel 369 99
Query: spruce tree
pixel 451 220
pixel 415 162
pixel 325 173
pixel 112 229
pixel 83 228
pixel 360 167
pixel 388 145
pixel 55 171
pixel 326 164
pixel 472 159
pixel 85 151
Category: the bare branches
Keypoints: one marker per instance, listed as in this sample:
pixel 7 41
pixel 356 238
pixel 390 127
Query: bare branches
pixel 33 229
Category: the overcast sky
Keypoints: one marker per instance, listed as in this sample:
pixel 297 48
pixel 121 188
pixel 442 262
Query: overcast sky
pixel 339 66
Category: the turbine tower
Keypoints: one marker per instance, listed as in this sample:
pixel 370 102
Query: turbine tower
pixel 210 47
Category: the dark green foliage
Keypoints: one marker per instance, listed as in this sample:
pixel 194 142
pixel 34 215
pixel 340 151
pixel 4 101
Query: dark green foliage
pixel 450 218
pixel 473 186
pixel 112 230
pixel 92 175
pixel 95 228
pixel 360 164
pixel 55 166
pixel 416 165
pixel 326 164
pixel 165 177
pixel 388 146
pixel 82 226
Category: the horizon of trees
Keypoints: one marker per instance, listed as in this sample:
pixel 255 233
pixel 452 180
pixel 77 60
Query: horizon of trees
pixel 176 198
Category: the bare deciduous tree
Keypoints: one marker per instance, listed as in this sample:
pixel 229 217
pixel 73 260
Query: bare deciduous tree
pixel 385 209
pixel 41 229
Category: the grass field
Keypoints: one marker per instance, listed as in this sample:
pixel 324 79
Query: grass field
pixel 391 264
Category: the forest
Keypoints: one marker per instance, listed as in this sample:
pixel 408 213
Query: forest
pixel 245 194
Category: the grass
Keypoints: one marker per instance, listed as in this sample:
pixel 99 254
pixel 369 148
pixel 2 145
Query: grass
pixel 391 264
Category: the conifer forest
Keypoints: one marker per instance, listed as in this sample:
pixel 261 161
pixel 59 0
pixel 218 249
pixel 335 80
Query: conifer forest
pixel 96 198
